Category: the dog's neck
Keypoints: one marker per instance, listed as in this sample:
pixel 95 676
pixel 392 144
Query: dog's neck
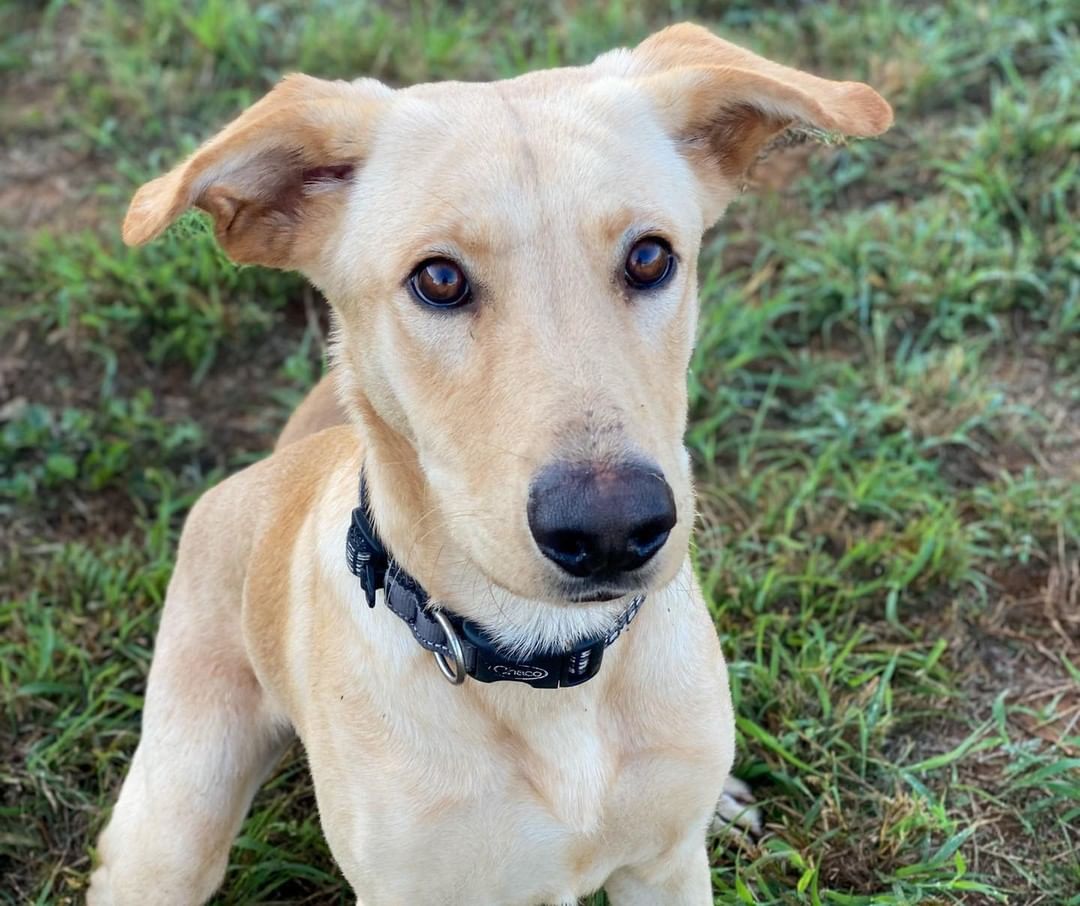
pixel 412 529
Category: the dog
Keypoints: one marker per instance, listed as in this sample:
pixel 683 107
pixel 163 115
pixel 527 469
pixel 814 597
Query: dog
pixel 431 580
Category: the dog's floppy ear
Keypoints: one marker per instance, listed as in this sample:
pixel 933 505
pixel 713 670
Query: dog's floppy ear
pixel 272 171
pixel 723 103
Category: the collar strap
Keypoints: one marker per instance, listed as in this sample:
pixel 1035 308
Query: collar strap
pixel 482 659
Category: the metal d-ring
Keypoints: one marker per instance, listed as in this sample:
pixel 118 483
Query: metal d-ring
pixel 458 674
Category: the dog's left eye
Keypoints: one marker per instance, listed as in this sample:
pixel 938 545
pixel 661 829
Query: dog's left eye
pixel 440 283
pixel 649 263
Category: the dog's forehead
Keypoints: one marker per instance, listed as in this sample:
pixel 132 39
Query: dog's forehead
pixel 522 154
pixel 546 119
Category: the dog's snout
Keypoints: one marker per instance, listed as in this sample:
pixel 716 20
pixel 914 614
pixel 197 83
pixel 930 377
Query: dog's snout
pixel 598 521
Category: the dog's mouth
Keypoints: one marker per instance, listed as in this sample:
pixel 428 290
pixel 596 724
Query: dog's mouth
pixel 598 596
pixel 567 591
pixel 606 590
pixel 574 594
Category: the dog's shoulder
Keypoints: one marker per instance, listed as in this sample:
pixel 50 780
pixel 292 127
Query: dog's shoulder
pixel 288 480
pixel 249 540
pixel 296 474
pixel 267 502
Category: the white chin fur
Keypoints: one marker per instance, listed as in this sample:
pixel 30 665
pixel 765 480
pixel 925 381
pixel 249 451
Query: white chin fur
pixel 521 626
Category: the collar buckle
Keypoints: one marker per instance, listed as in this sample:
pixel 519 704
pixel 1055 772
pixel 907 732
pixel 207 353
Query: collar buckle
pixel 365 556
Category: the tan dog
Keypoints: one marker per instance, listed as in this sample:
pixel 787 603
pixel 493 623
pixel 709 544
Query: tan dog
pixel 511 268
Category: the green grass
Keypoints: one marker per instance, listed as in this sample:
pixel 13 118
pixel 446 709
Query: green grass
pixel 885 424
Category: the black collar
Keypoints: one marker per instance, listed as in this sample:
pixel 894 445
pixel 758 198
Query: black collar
pixel 459 642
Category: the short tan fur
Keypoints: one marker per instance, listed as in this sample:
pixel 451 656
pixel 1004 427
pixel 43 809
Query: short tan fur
pixel 536 186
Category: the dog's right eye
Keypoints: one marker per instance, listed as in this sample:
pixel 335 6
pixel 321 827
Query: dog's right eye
pixel 440 283
pixel 649 263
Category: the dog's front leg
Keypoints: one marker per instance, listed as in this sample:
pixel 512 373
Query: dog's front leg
pixel 208 736
pixel 682 880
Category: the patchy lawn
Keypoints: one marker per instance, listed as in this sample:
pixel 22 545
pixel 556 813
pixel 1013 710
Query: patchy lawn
pixel 885 422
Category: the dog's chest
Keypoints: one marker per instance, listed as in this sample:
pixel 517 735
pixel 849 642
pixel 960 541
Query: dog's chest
pixel 517 812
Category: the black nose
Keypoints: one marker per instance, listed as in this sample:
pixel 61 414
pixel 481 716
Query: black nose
pixel 599 521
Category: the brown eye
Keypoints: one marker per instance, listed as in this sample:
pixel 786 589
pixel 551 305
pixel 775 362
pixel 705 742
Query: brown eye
pixel 649 263
pixel 441 283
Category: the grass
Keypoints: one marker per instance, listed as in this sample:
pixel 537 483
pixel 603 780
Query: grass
pixel 885 424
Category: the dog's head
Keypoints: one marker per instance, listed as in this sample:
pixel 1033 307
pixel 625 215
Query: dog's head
pixel 512 268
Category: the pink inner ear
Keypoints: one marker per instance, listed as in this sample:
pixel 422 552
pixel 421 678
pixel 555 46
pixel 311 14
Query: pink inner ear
pixel 333 171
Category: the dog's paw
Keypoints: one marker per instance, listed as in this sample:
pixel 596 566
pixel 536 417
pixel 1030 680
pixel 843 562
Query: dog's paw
pixel 736 812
